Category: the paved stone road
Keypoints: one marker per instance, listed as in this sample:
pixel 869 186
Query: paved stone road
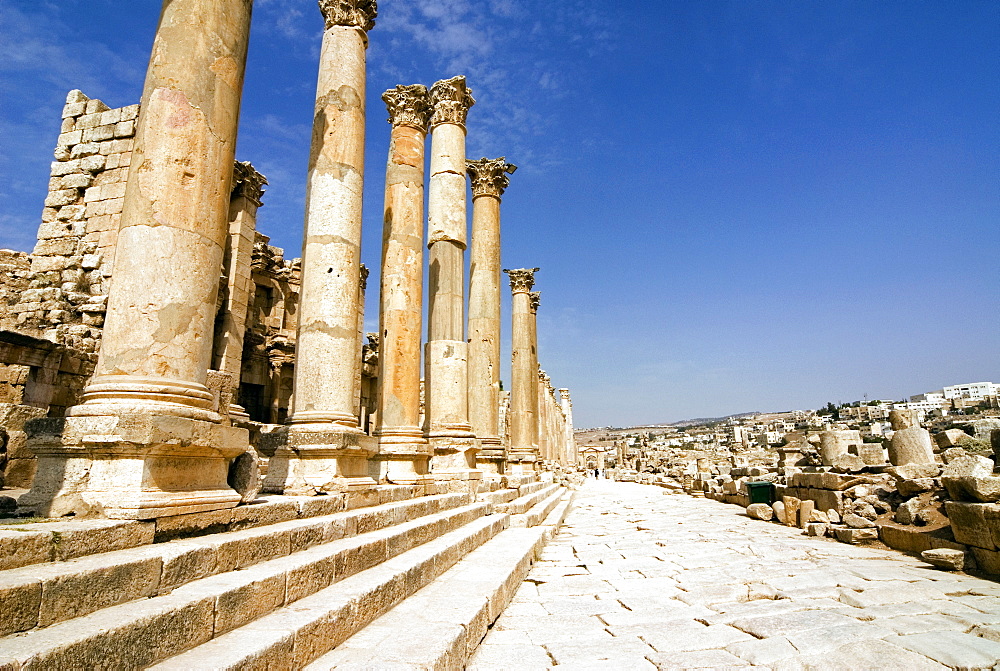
pixel 638 579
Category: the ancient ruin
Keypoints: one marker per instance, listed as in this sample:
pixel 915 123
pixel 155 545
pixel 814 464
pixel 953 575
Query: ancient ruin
pixel 175 389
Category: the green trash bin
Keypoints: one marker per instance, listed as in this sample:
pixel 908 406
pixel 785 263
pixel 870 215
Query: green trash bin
pixel 761 492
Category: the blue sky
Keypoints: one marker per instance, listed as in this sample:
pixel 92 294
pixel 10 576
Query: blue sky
pixel 736 206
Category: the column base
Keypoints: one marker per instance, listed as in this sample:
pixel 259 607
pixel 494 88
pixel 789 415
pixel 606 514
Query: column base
pixel 403 458
pixel 132 465
pixel 454 458
pixel 320 459
pixel 492 457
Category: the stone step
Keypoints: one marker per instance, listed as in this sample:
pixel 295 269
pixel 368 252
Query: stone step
pixel 294 636
pixel 558 515
pixel 24 544
pixel 43 595
pixel 524 503
pixel 139 633
pixel 499 496
pixel 531 487
pixel 538 512
pixel 440 626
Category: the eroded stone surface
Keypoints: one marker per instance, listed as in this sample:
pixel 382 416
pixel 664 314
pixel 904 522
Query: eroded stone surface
pixel 639 580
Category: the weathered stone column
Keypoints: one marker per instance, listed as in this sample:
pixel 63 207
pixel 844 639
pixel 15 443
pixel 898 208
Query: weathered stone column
pixel 326 449
pixel 523 416
pixel 572 452
pixel 535 298
pixel 147 440
pixel 404 453
pixel 446 357
pixel 489 181
pixel 230 326
pixel 544 445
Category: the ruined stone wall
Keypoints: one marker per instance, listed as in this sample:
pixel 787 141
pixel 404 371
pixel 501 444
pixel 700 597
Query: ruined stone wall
pixel 15 269
pixel 71 262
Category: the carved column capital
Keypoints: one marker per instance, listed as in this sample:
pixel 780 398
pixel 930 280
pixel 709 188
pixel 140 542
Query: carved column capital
pixel 351 13
pixel 451 99
pixel 409 106
pixel 489 176
pixel 521 279
pixel 536 299
pixel 247 182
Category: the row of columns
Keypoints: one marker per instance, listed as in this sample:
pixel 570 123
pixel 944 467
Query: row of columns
pixel 149 440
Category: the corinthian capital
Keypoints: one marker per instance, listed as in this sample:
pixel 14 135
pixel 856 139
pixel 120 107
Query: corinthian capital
pixel 357 13
pixel 451 99
pixel 536 299
pixel 522 279
pixel 409 106
pixel 247 182
pixel 489 176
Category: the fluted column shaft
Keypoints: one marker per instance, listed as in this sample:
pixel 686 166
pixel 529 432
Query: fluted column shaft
pixel 327 343
pixel 489 181
pixel 157 343
pixel 400 435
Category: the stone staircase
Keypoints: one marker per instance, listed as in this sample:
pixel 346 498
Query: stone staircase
pixel 289 582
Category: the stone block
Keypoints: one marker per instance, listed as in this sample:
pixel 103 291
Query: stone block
pixel 908 488
pixel 970 524
pixel 184 563
pixel 192 524
pixel 950 438
pixel 23 548
pixel 806 510
pixel 950 560
pixel 248 602
pixel 857 522
pixel 855 536
pixel 987 560
pixel 971 479
pixel 20 605
pixel 89 588
pixel 791 510
pixel 81 538
pixel 761 511
pixel 817 529
pixel 263 513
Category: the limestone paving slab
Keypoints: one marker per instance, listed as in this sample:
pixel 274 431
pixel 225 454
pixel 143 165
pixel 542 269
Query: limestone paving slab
pixel 640 579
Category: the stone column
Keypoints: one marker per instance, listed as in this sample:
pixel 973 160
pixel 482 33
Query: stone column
pixel 147 440
pixel 523 416
pixel 572 452
pixel 446 357
pixel 326 449
pixel 535 299
pixel 544 446
pixel 489 181
pixel 404 453
pixel 230 326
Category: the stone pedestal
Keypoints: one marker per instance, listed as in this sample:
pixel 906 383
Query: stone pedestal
pixel 489 179
pixel 325 442
pixel 446 354
pixel 315 460
pixel 131 466
pixel 147 440
pixel 404 452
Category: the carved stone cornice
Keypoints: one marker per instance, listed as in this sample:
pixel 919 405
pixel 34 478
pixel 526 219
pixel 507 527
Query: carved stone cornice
pixel 489 176
pixel 248 183
pixel 521 279
pixel 409 106
pixel 351 13
pixel 451 100
pixel 536 299
pixel 364 278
